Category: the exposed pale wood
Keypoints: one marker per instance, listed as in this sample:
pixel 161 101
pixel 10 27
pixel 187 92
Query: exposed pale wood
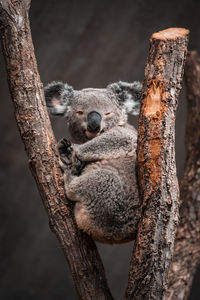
pixel 170 33
pixel 187 244
pixel 34 125
pixel 157 178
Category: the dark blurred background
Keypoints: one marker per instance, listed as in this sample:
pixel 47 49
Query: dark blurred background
pixel 88 44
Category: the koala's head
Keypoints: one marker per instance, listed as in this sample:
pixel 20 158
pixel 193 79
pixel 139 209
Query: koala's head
pixel 90 112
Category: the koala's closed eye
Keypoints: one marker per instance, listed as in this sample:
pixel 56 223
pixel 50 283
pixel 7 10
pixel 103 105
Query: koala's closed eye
pixel 80 113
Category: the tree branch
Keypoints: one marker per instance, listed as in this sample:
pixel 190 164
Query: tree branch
pixel 187 245
pixel 156 165
pixel 35 129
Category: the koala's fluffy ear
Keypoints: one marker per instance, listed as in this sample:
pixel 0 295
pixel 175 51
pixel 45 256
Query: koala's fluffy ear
pixel 58 97
pixel 128 95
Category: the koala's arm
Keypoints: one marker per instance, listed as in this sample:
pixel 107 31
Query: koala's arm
pixel 115 143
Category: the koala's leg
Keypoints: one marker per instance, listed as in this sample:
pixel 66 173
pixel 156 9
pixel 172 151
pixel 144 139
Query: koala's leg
pixel 100 208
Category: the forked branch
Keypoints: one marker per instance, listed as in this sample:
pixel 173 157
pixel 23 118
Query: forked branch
pixel 156 163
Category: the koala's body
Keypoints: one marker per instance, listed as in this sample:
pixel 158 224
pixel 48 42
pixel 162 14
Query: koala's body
pixel 99 160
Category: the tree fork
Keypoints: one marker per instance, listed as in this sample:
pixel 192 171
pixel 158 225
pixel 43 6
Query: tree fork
pixel 35 129
pixel 156 162
pixel 157 178
pixel 187 244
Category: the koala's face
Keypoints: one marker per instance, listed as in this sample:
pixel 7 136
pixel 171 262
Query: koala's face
pixel 91 112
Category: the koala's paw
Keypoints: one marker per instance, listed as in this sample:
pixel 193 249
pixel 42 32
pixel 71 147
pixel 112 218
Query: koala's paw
pixel 65 150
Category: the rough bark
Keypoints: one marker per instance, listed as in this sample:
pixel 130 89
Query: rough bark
pixel 187 244
pixel 157 178
pixel 35 129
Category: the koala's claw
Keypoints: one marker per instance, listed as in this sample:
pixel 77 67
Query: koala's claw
pixel 68 159
pixel 65 150
pixel 63 146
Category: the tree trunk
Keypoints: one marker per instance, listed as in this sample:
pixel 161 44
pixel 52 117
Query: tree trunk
pixel 157 178
pixel 35 129
pixel 187 245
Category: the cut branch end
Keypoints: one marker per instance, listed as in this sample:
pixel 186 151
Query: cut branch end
pixel 170 34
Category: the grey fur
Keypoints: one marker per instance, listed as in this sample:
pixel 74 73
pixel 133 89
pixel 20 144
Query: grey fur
pixel 128 95
pixel 62 92
pixel 99 169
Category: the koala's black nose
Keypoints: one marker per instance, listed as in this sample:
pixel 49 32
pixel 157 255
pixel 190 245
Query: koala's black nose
pixel 94 122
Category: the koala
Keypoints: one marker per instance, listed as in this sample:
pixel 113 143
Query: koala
pixel 98 160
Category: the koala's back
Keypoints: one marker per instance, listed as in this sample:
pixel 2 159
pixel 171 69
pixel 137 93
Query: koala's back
pixel 112 213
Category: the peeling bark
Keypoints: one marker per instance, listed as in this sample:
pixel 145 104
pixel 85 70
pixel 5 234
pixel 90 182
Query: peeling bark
pixel 35 129
pixel 187 244
pixel 157 178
